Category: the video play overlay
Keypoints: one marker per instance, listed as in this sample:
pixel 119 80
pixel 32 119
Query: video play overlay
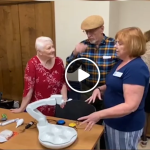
pixel 90 74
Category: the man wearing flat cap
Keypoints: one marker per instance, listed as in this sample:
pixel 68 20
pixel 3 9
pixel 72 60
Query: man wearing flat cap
pixel 99 48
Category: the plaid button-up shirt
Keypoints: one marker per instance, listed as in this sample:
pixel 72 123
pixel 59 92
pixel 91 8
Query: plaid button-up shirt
pixel 104 56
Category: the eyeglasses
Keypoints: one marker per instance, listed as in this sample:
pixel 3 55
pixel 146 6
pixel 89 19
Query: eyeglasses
pixel 91 31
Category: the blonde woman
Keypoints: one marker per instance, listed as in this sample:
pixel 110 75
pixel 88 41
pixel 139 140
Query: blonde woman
pixel 146 58
pixel 124 94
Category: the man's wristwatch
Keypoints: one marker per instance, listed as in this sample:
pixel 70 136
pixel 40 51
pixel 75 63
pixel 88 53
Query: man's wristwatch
pixel 99 89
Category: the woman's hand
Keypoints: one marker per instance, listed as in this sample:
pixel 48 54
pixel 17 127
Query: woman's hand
pixel 18 110
pixel 63 104
pixel 96 93
pixel 90 120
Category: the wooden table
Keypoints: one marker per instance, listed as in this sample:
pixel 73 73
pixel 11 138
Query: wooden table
pixel 29 138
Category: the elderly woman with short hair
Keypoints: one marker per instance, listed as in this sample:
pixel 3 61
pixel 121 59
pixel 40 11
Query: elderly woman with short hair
pixel 44 76
pixel 124 93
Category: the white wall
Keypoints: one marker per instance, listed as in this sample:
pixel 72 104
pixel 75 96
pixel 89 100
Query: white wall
pixel 135 13
pixel 113 18
pixel 117 15
pixel 68 18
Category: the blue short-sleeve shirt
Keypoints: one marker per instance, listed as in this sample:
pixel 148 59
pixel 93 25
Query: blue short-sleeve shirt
pixel 135 72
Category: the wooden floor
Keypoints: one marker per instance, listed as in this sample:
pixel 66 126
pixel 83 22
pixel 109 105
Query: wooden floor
pixel 145 148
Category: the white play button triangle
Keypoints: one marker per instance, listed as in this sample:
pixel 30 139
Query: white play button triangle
pixel 82 75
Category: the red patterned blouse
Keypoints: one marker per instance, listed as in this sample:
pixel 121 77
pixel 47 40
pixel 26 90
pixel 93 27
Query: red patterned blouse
pixel 45 82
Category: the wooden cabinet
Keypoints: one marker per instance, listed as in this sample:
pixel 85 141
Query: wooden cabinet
pixel 148 126
pixel 20 25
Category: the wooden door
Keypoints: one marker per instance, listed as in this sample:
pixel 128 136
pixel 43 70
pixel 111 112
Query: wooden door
pixel 148 126
pixel 20 25
pixel 36 19
pixel 11 73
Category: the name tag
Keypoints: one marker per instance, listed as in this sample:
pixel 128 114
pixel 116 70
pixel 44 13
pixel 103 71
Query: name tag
pixel 117 74
pixel 106 57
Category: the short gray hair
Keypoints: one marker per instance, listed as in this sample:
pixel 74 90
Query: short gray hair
pixel 41 42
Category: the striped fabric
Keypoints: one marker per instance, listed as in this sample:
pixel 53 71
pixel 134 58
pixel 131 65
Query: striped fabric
pixel 99 56
pixel 118 140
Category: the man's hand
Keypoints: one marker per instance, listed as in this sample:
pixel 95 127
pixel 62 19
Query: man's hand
pixel 96 94
pixel 80 48
pixel 18 110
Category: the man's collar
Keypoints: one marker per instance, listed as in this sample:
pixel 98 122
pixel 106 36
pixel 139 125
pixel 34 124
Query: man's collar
pixel 104 39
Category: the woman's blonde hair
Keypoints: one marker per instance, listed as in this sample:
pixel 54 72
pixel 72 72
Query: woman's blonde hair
pixel 147 36
pixel 133 39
